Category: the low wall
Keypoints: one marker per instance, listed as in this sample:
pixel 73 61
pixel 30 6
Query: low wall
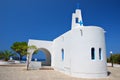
pixel 35 65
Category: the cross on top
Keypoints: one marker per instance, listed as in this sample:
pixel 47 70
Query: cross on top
pixel 81 23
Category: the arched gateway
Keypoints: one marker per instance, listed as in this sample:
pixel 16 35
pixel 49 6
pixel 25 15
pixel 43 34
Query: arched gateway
pixel 47 62
pixel 45 47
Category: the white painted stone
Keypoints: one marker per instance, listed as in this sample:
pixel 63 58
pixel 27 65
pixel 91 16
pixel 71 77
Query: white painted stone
pixel 11 58
pixel 35 65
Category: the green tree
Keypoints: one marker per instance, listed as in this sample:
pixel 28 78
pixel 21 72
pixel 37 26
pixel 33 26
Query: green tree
pixel 1 54
pixel 108 60
pixel 20 48
pixel 116 58
pixel 6 54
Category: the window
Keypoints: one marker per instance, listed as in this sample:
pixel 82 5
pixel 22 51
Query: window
pixel 92 53
pixel 80 22
pixel 77 20
pixel 62 54
pixel 100 54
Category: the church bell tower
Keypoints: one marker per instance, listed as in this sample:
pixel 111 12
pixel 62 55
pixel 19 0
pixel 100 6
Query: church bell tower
pixel 77 19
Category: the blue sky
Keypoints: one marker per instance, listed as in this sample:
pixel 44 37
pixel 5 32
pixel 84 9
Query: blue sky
pixel 21 20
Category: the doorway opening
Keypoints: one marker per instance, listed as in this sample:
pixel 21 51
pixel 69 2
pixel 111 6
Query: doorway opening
pixel 43 56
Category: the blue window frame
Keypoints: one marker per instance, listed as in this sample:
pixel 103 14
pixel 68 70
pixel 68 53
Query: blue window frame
pixel 92 53
pixel 62 54
pixel 100 54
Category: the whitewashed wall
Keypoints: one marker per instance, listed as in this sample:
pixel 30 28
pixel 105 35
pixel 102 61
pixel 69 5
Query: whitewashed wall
pixel 77 44
pixel 77 50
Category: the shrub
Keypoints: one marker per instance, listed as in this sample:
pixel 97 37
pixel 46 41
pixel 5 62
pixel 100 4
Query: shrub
pixel 115 58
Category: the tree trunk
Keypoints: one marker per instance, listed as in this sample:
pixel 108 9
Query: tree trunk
pixel 28 63
pixel 21 57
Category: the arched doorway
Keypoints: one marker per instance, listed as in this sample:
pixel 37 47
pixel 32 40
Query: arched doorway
pixel 44 53
pixel 39 56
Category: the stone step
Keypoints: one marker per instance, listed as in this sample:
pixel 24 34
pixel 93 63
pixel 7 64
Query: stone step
pixel 46 68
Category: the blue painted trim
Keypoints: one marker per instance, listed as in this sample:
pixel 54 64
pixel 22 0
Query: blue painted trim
pixel 81 23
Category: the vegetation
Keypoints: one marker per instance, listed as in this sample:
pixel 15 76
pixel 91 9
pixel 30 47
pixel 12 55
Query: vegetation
pixel 6 55
pixel 108 60
pixel 115 58
pixel 20 48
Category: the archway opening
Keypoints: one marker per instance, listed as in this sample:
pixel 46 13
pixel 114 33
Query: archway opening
pixel 43 56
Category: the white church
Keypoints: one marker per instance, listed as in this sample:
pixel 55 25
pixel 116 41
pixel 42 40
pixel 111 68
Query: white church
pixel 80 52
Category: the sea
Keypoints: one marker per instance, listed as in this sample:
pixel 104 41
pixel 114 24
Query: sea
pixel 24 59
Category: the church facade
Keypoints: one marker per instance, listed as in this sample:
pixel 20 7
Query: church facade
pixel 80 52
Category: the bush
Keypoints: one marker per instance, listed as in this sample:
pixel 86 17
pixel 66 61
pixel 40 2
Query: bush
pixel 5 55
pixel 115 58
pixel 108 60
